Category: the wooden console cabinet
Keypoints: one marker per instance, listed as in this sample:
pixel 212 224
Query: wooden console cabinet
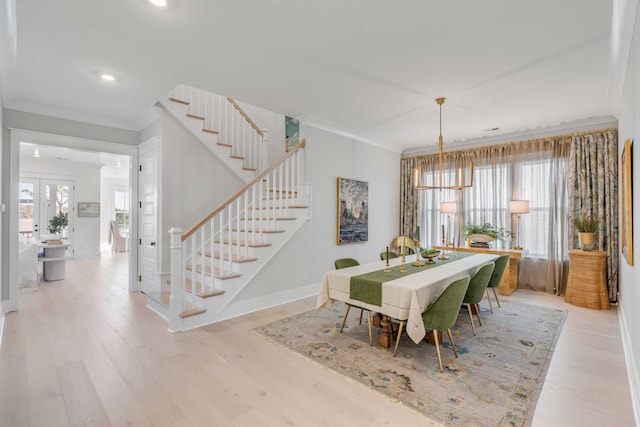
pixel 509 282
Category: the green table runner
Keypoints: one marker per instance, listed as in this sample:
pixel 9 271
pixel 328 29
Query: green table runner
pixel 368 287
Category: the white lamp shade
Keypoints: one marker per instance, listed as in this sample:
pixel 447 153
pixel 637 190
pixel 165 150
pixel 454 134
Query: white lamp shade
pixel 519 206
pixel 448 207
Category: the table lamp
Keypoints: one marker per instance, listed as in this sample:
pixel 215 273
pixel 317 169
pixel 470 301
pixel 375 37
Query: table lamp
pixel 518 207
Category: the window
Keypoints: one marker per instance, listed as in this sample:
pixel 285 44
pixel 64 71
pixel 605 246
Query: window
pixel 121 210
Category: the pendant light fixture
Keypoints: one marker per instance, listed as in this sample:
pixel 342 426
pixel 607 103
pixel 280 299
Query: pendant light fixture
pixel 460 178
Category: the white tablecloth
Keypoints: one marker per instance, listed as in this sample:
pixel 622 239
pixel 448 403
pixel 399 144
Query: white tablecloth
pixel 405 298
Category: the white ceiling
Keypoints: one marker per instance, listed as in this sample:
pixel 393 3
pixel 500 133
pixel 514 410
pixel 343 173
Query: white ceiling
pixel 367 68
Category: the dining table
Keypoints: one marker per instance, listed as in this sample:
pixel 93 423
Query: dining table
pixel 402 293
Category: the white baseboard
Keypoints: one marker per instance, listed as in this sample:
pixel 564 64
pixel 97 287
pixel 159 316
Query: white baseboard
pixel 632 369
pixel 255 304
pixel 1 323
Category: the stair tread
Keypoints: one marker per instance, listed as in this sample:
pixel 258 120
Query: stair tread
pixel 234 257
pixel 242 230
pixel 216 132
pixel 179 101
pixel 164 297
pixel 195 116
pixel 206 294
pixel 249 169
pixel 218 274
pixel 242 243
pixel 192 312
pixel 224 144
pixel 236 157
pixel 279 218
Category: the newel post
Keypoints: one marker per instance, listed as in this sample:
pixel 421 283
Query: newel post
pixel 264 149
pixel 177 295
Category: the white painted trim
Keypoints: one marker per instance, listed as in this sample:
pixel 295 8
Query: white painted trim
pixel 256 304
pixel 632 372
pixel 1 324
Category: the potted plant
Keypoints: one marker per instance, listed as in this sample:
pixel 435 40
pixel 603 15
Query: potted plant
pixel 480 233
pixel 587 227
pixel 58 223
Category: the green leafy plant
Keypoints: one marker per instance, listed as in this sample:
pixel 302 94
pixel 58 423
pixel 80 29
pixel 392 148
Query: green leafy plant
pixel 485 228
pixel 58 222
pixel 501 234
pixel 586 223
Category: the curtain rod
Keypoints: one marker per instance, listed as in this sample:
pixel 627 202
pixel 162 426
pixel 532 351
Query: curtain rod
pixel 505 144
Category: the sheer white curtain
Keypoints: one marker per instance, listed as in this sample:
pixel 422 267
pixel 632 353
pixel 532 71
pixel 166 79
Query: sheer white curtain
pixel 534 171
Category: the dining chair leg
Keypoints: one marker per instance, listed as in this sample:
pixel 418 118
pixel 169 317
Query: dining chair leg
pixel 361 311
pixel 473 326
pixel 369 322
pixel 345 318
pixel 478 313
pixel 398 338
pixel 496 295
pixel 453 345
pixel 489 299
pixel 435 339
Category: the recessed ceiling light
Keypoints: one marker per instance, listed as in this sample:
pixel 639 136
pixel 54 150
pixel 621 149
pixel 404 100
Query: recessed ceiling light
pixel 36 153
pixel 107 77
pixel 159 3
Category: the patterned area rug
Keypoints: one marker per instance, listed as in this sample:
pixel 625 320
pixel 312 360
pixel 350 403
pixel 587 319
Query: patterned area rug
pixel 495 381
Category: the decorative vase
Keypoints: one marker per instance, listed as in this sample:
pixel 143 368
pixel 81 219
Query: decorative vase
pixel 587 241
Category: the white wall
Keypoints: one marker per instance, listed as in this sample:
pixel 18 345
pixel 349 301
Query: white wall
pixel 86 241
pixel 274 123
pixel 629 276
pixel 186 164
pixel 312 251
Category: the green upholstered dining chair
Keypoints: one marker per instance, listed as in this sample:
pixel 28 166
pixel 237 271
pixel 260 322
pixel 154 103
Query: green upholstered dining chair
pixel 383 255
pixel 345 263
pixel 501 265
pixel 475 292
pixel 442 314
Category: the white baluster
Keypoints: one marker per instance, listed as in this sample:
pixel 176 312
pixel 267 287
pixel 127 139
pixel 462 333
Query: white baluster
pixel 177 284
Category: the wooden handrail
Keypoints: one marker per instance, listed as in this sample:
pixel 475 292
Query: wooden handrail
pixel 248 185
pixel 246 116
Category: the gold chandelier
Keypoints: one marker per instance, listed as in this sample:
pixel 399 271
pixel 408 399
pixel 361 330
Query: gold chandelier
pixel 460 184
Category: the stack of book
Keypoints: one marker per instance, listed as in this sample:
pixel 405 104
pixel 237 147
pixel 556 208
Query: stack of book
pixel 480 245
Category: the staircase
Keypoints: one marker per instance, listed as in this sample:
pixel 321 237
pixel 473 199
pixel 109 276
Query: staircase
pixel 213 261
pixel 222 126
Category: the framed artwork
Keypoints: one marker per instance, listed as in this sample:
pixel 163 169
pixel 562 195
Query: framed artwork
pixel 88 209
pixel 353 211
pixel 291 133
pixel 626 205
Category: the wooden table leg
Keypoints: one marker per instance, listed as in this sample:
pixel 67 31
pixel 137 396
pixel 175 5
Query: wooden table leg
pixel 384 338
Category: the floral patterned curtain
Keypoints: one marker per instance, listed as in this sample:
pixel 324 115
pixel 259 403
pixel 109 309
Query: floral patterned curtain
pixel 593 190
pixel 408 198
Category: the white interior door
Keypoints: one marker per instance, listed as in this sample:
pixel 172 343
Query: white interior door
pixel 148 217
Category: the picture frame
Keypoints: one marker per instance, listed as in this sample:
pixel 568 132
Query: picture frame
pixel 353 211
pixel 626 202
pixel 291 133
pixel 88 209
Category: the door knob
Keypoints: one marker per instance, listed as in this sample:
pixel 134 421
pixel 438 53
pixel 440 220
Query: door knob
pixel 152 243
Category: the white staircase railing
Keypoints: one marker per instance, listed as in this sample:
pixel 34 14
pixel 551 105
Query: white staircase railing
pixel 208 254
pixel 223 116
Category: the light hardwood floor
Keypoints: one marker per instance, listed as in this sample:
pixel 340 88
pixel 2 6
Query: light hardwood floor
pixel 84 351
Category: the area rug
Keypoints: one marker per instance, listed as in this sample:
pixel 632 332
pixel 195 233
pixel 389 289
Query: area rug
pixel 495 381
